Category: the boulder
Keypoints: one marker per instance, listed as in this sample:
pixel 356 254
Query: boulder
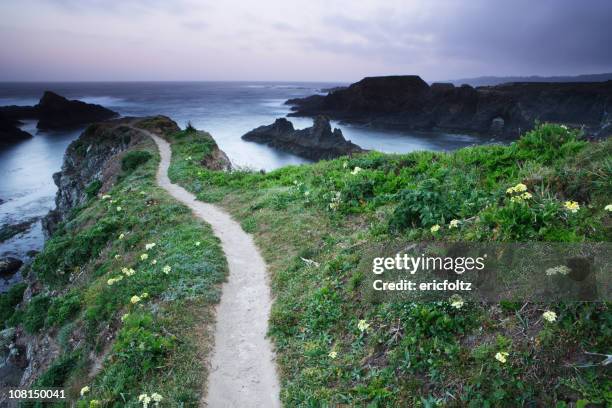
pixel 315 143
pixel 9 266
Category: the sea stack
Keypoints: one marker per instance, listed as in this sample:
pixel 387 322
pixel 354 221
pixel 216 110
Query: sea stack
pixel 315 143
pixel 54 112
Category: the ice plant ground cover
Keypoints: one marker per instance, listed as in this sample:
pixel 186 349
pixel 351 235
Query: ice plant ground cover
pixel 118 316
pixel 421 354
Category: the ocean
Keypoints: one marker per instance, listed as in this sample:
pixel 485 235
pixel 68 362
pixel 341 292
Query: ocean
pixel 225 109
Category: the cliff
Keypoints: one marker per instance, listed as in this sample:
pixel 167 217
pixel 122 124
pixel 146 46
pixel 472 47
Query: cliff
pixel 75 322
pixel 56 112
pixel 407 102
pixel 316 143
pixel 89 164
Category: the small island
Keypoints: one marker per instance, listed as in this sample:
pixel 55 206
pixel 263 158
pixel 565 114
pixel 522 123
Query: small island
pixel 315 143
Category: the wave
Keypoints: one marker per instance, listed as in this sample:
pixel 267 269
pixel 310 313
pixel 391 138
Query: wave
pixel 106 101
pixel 18 101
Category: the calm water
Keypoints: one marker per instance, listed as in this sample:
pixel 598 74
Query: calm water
pixel 226 109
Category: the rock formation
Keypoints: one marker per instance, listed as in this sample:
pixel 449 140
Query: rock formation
pixel 10 132
pixel 87 159
pixel 9 266
pixel 56 112
pixel 409 103
pixel 316 143
pixel 96 157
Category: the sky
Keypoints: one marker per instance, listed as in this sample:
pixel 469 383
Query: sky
pixel 300 40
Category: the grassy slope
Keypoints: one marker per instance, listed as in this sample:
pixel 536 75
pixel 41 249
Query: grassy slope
pixel 117 348
pixel 425 354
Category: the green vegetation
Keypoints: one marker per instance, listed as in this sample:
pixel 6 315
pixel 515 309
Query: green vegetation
pixel 9 300
pixel 130 281
pixel 335 347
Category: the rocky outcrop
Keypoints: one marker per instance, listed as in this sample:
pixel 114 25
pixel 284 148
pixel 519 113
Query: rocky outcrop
pixel 8 231
pixel 316 143
pixel 9 266
pixel 93 157
pixel 10 132
pixel 56 112
pixel 408 103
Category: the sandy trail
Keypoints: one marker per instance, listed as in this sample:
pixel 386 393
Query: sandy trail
pixel 242 369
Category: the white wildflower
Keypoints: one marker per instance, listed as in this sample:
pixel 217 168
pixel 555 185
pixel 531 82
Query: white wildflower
pixel 363 325
pixel 549 316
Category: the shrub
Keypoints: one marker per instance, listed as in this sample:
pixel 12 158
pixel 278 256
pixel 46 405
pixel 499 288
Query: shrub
pixel 9 300
pixel 93 188
pixel 134 159
pixel 35 314
pixel 63 308
pixel 59 371
pixel 430 203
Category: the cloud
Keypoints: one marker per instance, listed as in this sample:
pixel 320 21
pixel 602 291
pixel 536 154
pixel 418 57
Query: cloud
pixel 196 25
pixel 308 39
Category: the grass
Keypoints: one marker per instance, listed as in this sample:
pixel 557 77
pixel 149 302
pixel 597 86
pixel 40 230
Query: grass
pixel 93 267
pixel 419 354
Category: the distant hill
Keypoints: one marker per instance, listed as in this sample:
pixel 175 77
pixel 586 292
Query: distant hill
pixel 494 80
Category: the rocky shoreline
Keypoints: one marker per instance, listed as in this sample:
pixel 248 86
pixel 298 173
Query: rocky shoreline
pixel 507 110
pixel 315 143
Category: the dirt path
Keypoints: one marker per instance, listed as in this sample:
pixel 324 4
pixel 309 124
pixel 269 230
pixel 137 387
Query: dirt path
pixel 242 370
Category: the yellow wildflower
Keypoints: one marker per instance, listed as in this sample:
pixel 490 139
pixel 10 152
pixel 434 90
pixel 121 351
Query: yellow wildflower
pixel 356 170
pixel 454 224
pixel 144 257
pixel 166 269
pixel 502 356
pixel 121 236
pixel 135 299
pixel 608 207
pixel 572 206
pixel 456 301
pixel 84 390
pixel 435 229
pixel 119 208
pixel 333 354
pixel 150 246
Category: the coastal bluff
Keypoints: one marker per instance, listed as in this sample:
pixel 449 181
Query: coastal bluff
pixel 409 103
